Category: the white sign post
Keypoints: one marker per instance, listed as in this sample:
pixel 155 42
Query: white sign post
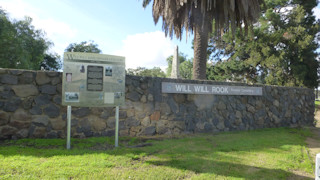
pixel 116 142
pixel 68 126
pixel 317 170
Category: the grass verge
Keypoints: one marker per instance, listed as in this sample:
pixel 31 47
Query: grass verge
pixel 259 154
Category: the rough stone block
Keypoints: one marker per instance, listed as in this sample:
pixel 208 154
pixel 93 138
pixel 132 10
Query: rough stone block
pixel 220 125
pixel 52 111
pixel 135 129
pixel 9 79
pixel 6 131
pixel 251 109
pixel 48 89
pixel 23 133
pixel 105 115
pixel 132 122
pixel 58 124
pixel 143 99
pixel 4 118
pixel 133 96
pixel 145 121
pixel 55 80
pixel 122 114
pixel 57 99
pixel 42 99
pixel 148 131
pixel 155 116
pixel 179 98
pixel 97 124
pixel 59 88
pixel 221 106
pixel 124 132
pixel 41 120
pixel 12 104
pixel 108 133
pixel 35 110
pixel 25 90
pixel 20 124
pixel 161 127
pixel 173 105
pixel 26 78
pixel 21 115
pixel 238 114
pixel 81 112
pixel 52 135
pixel 38 132
pixel 27 103
pixel 150 97
pixel 52 74
pixel 42 78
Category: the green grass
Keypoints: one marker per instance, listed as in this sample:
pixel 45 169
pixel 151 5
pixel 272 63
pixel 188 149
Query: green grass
pixel 259 154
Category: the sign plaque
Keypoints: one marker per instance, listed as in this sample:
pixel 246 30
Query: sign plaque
pixel 185 88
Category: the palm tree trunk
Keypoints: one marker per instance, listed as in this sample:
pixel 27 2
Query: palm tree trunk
pixel 200 45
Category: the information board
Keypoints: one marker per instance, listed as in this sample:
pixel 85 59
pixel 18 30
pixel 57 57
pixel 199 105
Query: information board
pixel 93 80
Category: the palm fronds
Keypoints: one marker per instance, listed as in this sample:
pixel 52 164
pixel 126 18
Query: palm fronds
pixel 179 15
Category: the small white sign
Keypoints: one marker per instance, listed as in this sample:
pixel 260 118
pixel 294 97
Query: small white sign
pixel 109 98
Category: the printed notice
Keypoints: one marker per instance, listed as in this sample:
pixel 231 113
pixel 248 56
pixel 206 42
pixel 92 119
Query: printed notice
pixel 95 78
pixel 109 98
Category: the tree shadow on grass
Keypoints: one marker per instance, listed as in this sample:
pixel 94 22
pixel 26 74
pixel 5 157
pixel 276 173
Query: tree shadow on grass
pixel 227 169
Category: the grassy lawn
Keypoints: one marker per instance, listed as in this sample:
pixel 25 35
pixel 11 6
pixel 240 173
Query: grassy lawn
pixel 317 104
pixel 259 154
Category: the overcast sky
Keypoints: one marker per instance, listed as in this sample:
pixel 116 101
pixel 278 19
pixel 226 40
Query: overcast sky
pixel 119 27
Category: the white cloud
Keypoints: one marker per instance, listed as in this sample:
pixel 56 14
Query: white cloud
pixel 149 50
pixel 316 12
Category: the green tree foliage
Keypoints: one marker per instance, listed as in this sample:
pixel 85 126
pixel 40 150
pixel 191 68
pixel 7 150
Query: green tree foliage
pixel 22 46
pixel 185 67
pixel 88 47
pixel 51 62
pixel 280 51
pixel 142 71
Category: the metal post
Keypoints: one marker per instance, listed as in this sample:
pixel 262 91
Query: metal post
pixel 117 127
pixel 68 126
pixel 317 170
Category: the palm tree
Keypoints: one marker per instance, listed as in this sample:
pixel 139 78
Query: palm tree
pixel 197 16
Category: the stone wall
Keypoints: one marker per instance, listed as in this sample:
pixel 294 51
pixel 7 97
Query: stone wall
pixel 30 107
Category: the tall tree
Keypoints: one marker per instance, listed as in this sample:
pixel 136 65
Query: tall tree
pixel 84 46
pixel 197 16
pixel 22 46
pixel 282 50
